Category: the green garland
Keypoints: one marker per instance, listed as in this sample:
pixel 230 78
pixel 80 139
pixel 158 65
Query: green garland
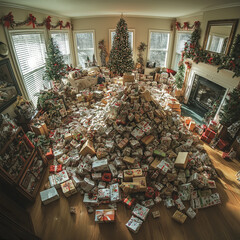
pixel 193 51
pixel 179 77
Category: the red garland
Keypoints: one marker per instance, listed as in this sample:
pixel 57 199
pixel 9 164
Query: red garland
pixel 196 24
pixel 68 25
pixel 178 25
pixel 48 22
pixel 60 24
pixel 189 65
pixel 185 26
pixel 210 60
pixel 233 64
pixel 8 20
pixel 31 20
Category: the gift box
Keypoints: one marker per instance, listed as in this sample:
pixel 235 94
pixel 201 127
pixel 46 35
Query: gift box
pixel 209 133
pixel 65 159
pixel 68 137
pixel 156 214
pixel 96 176
pixel 212 125
pixel 105 215
pixel 129 174
pixel 57 179
pixel 148 203
pixel 100 165
pixel 129 201
pixel 113 170
pixel 68 188
pixel 145 127
pixel 87 184
pixel 115 194
pixel 155 163
pixel 191 126
pixel 182 160
pixel 168 202
pixel 58 153
pixel 129 160
pixel 75 144
pixel 205 138
pixel 160 113
pixel 142 183
pixel 159 153
pixel 76 180
pixel 90 198
pixel 140 211
pixel 134 224
pixel 208 201
pixel 191 213
pixel 179 217
pixel 40 128
pixel 163 167
pixel 106 177
pixel 146 95
pixel 185 191
pixel 150 193
pixel 55 168
pixel 137 133
pixel 147 139
pixel 130 187
pixel 123 143
pixel 49 154
pixel 87 148
pixel 222 144
pixel 104 194
pixel 179 204
pixel 49 195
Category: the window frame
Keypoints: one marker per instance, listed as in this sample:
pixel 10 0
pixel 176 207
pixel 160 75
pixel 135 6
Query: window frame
pixel 75 43
pixel 168 58
pixel 69 39
pixel 13 52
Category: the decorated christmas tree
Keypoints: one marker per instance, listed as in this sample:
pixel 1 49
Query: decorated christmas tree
pixel 230 112
pixel 55 67
pixel 120 59
pixel 179 77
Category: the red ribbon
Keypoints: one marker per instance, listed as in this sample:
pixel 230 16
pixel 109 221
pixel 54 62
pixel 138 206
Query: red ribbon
pixel 31 20
pixel 185 26
pixel 60 24
pixel 177 25
pixel 48 22
pixel 68 25
pixel 8 20
pixel 196 24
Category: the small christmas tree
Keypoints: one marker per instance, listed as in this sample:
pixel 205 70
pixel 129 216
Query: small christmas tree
pixel 103 52
pixel 54 63
pixel 120 59
pixel 179 77
pixel 230 112
pixel 141 48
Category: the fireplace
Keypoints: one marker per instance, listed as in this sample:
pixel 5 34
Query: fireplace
pixel 204 94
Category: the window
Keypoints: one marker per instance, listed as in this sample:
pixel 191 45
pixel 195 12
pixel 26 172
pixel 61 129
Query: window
pixel 217 43
pixel 30 53
pixel 158 47
pixel 85 46
pixel 181 39
pixel 62 41
pixel 131 37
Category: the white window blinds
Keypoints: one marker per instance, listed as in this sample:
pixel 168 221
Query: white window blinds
pixel 30 54
pixel 62 41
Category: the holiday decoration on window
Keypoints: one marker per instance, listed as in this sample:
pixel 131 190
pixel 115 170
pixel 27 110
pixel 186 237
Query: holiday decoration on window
pixel 55 67
pixel 103 52
pixel 179 77
pixel 8 21
pixel 141 48
pixel 186 25
pixel 120 59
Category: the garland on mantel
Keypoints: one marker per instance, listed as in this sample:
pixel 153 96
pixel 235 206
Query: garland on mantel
pixel 8 21
pixel 186 25
pixel 194 51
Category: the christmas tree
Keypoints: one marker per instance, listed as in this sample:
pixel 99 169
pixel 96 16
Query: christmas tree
pixel 179 77
pixel 54 63
pixel 103 52
pixel 230 112
pixel 120 59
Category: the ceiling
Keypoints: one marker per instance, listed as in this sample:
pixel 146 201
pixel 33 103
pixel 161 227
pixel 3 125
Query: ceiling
pixel 153 8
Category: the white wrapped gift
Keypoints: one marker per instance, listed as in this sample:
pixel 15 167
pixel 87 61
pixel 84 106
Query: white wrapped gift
pixel 57 179
pixel 101 165
pixel 140 211
pixel 93 198
pixel 49 195
pixel 134 224
pixel 115 194
pixel 113 170
pixel 104 194
pixel 191 213
pixel 87 184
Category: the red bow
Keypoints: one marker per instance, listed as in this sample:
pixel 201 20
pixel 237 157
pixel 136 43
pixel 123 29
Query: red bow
pixel 32 20
pixel 177 25
pixel 8 20
pixel 48 22
pixel 185 25
pixel 210 60
pixel 196 24
pixel 60 24
pixel 68 25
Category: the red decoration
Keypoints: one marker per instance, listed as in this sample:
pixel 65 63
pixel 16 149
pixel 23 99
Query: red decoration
pixel 222 144
pixel 48 22
pixel 150 192
pixel 210 60
pixel 185 25
pixel 209 133
pixel 196 24
pixel 178 25
pixel 107 177
pixel 189 65
pixel 31 20
pixel 8 20
pixel 60 24
pixel 68 25
pixel 205 138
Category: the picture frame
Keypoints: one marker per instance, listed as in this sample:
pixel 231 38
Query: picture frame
pixel 9 89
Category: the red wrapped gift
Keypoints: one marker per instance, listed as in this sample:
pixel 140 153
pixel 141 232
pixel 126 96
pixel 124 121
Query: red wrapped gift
pixel 49 154
pixel 129 201
pixel 107 177
pixel 222 144
pixel 209 133
pixel 150 193
pixel 171 71
pixel 55 168
pixel 205 138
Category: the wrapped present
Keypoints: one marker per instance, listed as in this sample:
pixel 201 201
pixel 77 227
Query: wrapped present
pixel 150 193
pixel 75 144
pixel 158 186
pixel 55 168
pixel 102 184
pixel 87 184
pixel 159 153
pixel 129 201
pixel 90 198
pixel 211 184
pixel 188 120
pixel 68 188
pixel 209 133
pixel 191 126
pixel 155 163
pixel 64 159
pixel 179 204
pixel 106 177
pixel 142 183
pixel 104 194
pixel 57 179
pixel 148 203
pixel 96 176
pixel 203 202
pixel 222 144
pixel 145 127
pixel 49 154
pixel 130 187
pixel 179 217
pixel 191 213
pixel 156 214
pixel 134 99
pixel 185 191
pixel 137 133
pixel 128 78
pixel 68 137
pixel 134 224
pixel 123 143
pixel 168 202
pixel 105 215
pixel 129 174
pixel 115 194
pixel 76 180
pixel 160 113
pixel 87 148
pixel 40 128
pixel 205 138
pixel 147 139
pixel 174 105
pixel 100 165
pixel 166 141
pixel 163 167
pixel 113 170
pixel 146 95
pixel 58 153
pixel 182 160
pixel 129 160
pixel 140 211
pixel 198 180
pixel 212 125
pixel 49 195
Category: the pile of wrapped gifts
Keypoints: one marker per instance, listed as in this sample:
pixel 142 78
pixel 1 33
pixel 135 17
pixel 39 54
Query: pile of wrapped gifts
pixel 123 144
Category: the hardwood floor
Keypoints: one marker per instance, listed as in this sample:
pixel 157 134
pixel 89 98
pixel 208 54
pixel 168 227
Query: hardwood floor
pixel 54 222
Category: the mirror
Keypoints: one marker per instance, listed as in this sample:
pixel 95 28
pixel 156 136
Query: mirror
pixel 219 36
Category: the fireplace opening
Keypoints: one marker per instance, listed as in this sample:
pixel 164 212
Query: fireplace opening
pixel 204 95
